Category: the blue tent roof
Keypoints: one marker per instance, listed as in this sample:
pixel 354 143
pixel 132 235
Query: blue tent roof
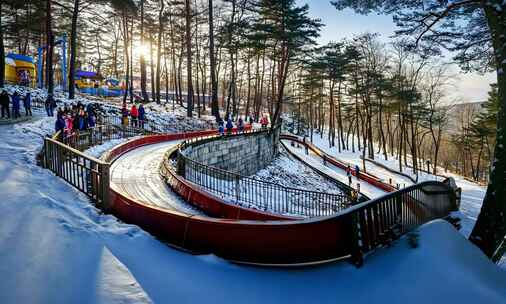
pixel 20 57
pixel 113 81
pixel 86 74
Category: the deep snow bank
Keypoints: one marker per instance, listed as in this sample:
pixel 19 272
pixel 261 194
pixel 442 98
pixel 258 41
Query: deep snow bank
pixel 57 248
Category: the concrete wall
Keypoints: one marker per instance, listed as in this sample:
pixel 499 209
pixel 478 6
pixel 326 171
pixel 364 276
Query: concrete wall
pixel 244 154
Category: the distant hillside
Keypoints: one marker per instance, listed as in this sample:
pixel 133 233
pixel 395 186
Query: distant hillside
pixel 462 112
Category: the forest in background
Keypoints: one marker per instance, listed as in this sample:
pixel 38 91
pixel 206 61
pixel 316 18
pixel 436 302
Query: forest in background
pixel 394 100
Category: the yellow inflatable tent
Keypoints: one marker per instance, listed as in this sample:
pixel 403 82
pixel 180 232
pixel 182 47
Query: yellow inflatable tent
pixel 20 69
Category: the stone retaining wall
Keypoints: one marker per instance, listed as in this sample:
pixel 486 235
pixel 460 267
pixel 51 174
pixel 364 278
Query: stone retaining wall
pixel 244 154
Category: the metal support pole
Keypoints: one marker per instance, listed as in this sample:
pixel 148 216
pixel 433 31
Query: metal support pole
pixel 64 61
pixel 40 51
pixel 237 188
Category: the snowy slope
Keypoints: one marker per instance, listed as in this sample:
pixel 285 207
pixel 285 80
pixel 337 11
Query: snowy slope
pixel 472 194
pixel 337 173
pixel 57 248
pixel 286 171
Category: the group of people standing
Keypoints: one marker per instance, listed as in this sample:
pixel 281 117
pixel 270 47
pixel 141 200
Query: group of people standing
pixel 15 99
pixel 229 125
pixel 349 173
pixel 76 118
pixel 136 114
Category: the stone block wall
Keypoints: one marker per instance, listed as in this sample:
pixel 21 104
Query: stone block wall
pixel 244 154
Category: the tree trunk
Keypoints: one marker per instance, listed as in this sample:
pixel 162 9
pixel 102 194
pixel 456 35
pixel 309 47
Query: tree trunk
pixel 248 98
pixel 197 64
pixel 490 229
pixel 131 35
pixel 145 96
pixel 212 65
pixel 73 50
pixel 50 45
pixel 189 97
pixel 159 52
pixel 127 57
pixel 2 51
pixel 152 68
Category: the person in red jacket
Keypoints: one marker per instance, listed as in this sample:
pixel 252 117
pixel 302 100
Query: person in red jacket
pixel 134 113
pixel 264 122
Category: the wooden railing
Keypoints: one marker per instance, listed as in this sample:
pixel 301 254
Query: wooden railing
pixel 63 155
pixel 86 173
pixel 382 220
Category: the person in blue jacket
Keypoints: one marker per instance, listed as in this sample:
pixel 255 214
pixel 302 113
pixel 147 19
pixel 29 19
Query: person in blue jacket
pixel 81 119
pixel 27 103
pixel 59 125
pixel 229 126
pixel 91 119
pixel 16 105
pixel 142 115
pixel 221 129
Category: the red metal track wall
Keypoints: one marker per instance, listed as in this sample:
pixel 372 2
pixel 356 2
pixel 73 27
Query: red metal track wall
pixel 210 204
pixel 246 241
pixel 285 242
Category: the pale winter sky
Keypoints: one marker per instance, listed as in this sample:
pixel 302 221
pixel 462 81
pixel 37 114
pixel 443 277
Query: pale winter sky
pixel 467 87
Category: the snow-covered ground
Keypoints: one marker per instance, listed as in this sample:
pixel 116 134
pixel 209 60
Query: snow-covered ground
pixel 337 173
pixel 99 150
pixel 472 194
pixel 161 115
pixel 55 247
pixel 286 171
pixel 285 187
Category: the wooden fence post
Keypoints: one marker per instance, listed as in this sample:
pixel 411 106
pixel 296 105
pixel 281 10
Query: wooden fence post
pixel 59 160
pixel 357 257
pixel 104 187
pixel 44 155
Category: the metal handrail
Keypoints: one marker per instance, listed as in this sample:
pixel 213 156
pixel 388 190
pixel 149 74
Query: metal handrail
pixel 255 193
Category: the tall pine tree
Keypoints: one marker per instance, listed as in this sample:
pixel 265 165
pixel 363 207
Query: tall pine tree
pixel 476 31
